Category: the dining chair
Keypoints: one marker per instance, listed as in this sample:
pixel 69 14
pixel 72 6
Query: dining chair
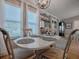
pixel 56 53
pixel 28 32
pixel 17 53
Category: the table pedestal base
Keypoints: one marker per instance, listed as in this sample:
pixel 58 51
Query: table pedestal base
pixel 39 55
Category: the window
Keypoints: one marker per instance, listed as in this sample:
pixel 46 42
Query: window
pixel 33 20
pixel 12 20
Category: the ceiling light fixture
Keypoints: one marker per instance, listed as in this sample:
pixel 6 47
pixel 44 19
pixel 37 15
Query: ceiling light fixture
pixel 43 4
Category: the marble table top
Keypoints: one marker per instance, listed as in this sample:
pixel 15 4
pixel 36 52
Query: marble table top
pixel 37 44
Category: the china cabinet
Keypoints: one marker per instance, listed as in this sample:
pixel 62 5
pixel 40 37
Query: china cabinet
pixel 48 24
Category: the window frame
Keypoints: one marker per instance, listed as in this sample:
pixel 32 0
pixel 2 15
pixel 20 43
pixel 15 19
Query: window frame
pixel 24 8
pixel 31 7
pixel 19 6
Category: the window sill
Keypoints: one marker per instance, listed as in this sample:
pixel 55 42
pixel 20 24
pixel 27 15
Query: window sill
pixel 14 38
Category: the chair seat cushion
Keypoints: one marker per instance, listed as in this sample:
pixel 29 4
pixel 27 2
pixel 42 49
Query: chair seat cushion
pixel 20 53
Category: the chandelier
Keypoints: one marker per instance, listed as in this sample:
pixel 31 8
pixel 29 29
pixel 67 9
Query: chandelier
pixel 43 4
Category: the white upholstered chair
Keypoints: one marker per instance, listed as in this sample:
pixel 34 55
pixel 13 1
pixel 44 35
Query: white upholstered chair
pixel 17 53
pixel 56 53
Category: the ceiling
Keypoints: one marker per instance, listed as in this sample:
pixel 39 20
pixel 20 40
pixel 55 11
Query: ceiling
pixel 64 8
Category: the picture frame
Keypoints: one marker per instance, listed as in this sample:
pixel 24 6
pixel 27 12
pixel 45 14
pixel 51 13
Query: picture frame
pixel 68 26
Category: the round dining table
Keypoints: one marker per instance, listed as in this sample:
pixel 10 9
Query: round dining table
pixel 34 43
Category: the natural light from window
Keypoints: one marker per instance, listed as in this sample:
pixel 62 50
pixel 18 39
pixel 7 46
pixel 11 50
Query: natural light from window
pixel 33 21
pixel 12 20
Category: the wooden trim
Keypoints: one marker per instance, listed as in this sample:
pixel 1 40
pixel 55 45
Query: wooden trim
pixel 14 2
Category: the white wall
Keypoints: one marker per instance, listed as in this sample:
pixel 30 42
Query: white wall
pixel 71 21
pixel 1 13
pixel 76 24
pixel 2 46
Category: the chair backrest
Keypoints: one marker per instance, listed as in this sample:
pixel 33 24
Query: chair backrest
pixel 65 55
pixel 7 42
pixel 28 31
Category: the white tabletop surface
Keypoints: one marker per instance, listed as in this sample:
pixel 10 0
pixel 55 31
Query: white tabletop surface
pixel 36 45
pixel 55 36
